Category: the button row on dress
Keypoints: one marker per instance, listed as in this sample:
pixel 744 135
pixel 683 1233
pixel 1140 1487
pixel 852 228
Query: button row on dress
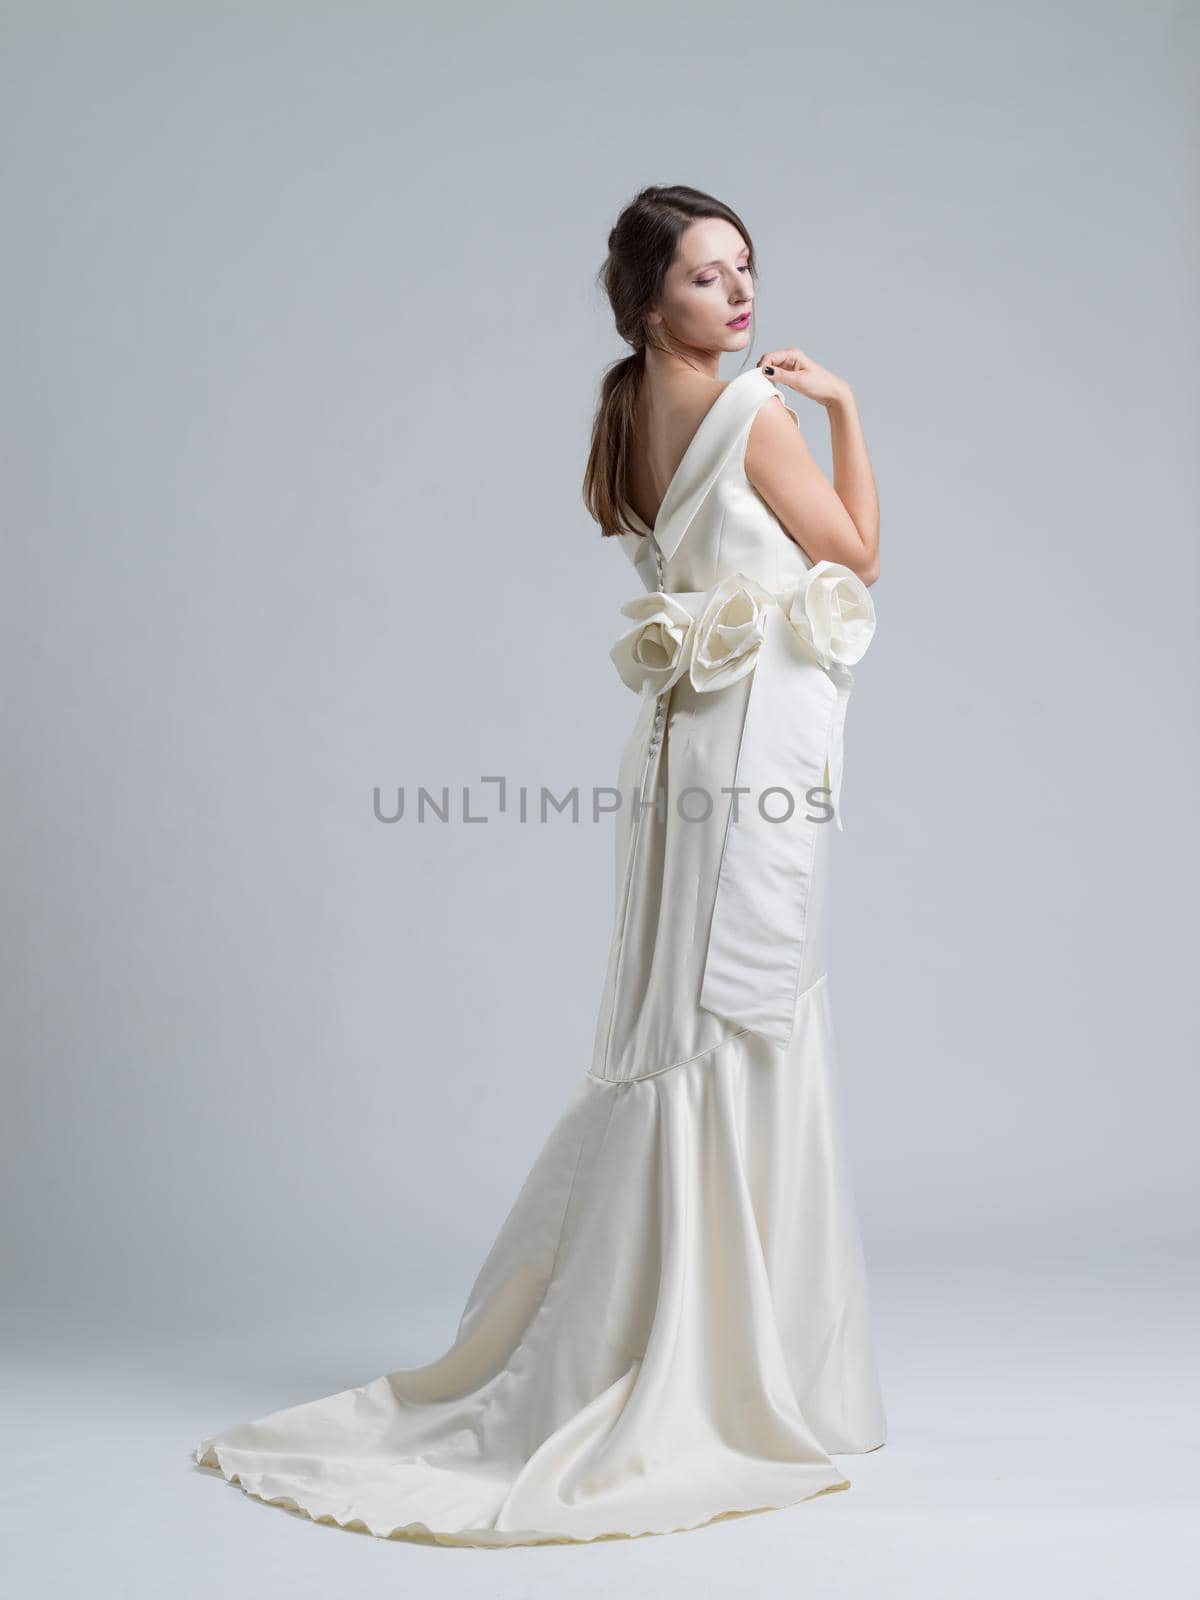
pixel 659 718
pixel 660 712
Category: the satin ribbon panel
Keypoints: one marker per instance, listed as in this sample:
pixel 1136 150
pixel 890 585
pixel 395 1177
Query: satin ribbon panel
pixel 799 645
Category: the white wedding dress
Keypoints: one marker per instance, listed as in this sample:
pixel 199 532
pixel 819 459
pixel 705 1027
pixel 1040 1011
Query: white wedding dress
pixel 672 1325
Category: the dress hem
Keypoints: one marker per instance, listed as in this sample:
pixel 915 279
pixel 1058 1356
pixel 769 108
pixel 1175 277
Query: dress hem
pixel 480 1538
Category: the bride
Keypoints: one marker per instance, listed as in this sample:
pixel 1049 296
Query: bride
pixel 672 1325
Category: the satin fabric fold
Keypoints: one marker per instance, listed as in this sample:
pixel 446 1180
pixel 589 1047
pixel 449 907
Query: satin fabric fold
pixel 656 1339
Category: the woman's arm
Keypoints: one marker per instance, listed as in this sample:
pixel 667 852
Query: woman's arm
pixel 836 521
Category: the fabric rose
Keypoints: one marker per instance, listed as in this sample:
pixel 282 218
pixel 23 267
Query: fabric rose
pixel 654 652
pixel 729 632
pixel 832 611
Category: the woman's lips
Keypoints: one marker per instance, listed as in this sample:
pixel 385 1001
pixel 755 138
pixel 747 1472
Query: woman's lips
pixel 740 322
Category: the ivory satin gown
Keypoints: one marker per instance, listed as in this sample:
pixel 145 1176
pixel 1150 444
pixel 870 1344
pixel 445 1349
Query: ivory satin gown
pixel 672 1325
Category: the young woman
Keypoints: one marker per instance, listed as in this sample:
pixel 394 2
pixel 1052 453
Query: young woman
pixel 672 1325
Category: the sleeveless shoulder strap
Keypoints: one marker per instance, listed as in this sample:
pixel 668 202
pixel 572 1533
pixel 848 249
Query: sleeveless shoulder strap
pixel 723 427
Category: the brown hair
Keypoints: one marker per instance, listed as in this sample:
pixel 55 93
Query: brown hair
pixel 641 246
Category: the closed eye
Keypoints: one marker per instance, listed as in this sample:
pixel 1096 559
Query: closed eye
pixel 703 283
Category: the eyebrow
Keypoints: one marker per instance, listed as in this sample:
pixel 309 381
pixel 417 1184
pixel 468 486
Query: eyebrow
pixel 744 251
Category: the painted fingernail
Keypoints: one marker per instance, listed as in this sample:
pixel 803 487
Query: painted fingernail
pixel 770 371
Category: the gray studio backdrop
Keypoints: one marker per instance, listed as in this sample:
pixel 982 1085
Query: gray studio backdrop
pixel 301 345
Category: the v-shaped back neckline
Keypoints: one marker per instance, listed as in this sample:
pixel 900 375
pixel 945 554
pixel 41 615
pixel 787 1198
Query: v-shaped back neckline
pixel 665 506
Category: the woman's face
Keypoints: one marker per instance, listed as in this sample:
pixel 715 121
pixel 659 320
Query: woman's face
pixel 708 287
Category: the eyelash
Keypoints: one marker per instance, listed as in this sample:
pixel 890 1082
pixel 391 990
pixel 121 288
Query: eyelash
pixel 703 283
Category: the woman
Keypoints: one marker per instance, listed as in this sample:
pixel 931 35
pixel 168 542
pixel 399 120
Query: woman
pixel 672 1324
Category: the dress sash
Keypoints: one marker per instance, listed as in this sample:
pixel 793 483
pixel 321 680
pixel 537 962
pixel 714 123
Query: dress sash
pixel 791 744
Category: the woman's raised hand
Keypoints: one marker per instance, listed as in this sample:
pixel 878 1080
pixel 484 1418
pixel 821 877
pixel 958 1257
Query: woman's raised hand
pixel 795 370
